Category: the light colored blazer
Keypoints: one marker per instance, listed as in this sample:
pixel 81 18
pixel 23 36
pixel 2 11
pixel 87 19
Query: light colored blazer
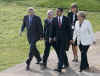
pixel 84 34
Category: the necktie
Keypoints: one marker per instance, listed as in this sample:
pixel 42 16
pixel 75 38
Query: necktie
pixel 59 22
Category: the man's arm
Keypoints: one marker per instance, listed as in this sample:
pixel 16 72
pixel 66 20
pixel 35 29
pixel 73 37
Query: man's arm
pixel 40 27
pixel 52 31
pixel 69 29
pixel 69 18
pixel 22 27
pixel 45 23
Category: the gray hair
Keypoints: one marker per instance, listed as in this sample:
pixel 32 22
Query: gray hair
pixel 82 14
pixel 50 12
pixel 30 8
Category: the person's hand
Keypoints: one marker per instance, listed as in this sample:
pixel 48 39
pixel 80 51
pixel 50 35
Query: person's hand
pixel 41 38
pixel 71 41
pixel 94 42
pixel 20 33
pixel 50 39
pixel 54 39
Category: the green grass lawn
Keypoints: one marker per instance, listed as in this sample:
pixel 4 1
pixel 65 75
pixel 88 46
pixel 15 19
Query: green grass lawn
pixel 14 49
pixel 90 5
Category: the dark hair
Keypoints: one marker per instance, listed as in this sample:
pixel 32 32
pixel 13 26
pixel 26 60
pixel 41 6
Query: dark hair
pixel 74 5
pixel 61 9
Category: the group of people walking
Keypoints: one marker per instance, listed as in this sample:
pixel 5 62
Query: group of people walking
pixel 59 32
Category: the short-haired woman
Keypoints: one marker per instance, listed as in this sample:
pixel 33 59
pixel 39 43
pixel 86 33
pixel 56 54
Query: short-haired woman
pixel 85 38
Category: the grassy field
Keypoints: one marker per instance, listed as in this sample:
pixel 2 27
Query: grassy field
pixel 14 49
pixel 90 5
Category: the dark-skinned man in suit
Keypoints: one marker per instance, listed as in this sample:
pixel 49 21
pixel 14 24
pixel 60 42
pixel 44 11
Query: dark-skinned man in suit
pixel 61 30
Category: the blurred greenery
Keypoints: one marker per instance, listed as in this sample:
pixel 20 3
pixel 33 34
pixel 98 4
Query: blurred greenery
pixel 90 5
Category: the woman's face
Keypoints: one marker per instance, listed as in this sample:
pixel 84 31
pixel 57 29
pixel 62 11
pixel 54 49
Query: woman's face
pixel 79 17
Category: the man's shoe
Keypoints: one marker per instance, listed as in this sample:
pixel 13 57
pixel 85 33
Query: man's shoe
pixel 65 67
pixel 38 62
pixel 87 69
pixel 43 66
pixel 28 62
pixel 80 70
pixel 27 67
pixel 58 70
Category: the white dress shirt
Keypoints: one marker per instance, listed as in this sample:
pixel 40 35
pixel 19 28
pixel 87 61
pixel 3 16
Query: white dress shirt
pixel 73 17
pixel 84 34
pixel 61 17
pixel 73 25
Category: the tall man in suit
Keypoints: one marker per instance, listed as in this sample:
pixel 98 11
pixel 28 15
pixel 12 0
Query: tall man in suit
pixel 34 33
pixel 61 30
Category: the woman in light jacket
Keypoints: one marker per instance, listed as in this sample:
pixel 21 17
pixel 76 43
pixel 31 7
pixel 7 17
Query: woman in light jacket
pixel 85 37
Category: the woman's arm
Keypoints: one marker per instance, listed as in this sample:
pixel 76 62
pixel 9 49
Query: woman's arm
pixel 75 32
pixel 90 31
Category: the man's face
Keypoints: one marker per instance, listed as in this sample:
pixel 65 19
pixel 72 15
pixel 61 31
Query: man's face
pixel 50 15
pixel 30 12
pixel 58 12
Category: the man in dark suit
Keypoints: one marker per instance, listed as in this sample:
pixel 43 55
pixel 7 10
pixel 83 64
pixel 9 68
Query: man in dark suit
pixel 34 33
pixel 47 25
pixel 61 30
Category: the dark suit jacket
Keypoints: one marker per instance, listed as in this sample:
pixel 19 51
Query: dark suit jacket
pixel 64 32
pixel 47 26
pixel 70 16
pixel 35 30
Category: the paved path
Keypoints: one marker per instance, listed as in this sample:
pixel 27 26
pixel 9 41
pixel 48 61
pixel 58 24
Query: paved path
pixel 93 56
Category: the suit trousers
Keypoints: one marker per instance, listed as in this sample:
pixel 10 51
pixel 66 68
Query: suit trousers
pixel 47 50
pixel 33 52
pixel 63 60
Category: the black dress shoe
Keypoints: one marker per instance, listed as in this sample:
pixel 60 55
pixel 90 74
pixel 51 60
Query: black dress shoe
pixel 38 62
pixel 27 68
pixel 65 67
pixel 28 62
pixel 80 70
pixel 27 65
pixel 58 70
pixel 44 66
